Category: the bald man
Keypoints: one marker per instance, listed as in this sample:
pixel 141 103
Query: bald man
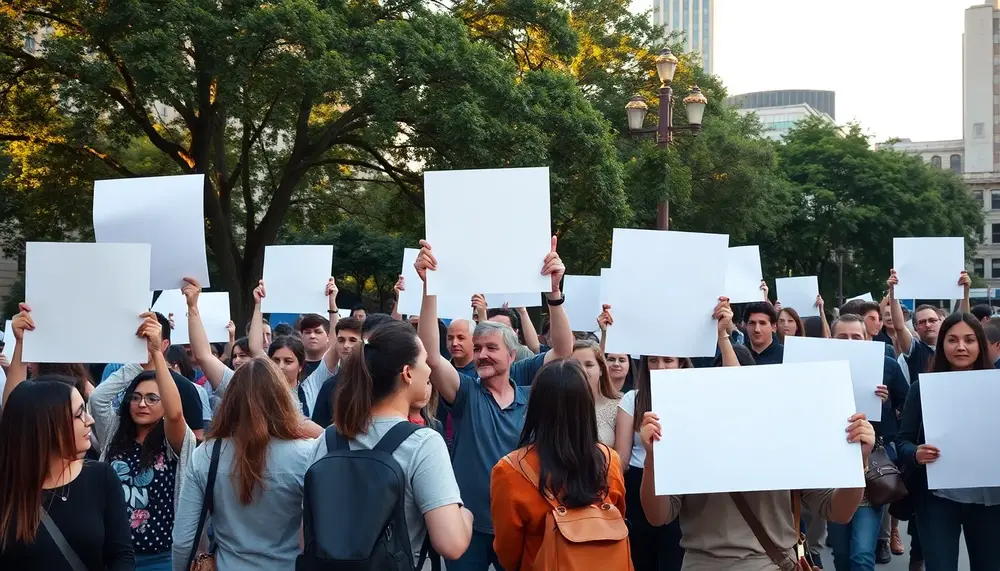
pixel 460 346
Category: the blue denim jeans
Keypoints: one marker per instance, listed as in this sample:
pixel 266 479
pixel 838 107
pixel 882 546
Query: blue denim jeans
pixel 854 542
pixel 154 562
pixel 478 556
pixel 942 522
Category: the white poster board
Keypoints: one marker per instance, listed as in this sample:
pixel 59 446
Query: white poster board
pixel 863 297
pixel 455 203
pixel 799 293
pixel 583 302
pixel 166 212
pixel 9 341
pixel 212 306
pixel 961 420
pixel 928 268
pixel 728 458
pixel 410 300
pixel 688 272
pixel 866 360
pixel 62 284
pixel 295 278
pixel 743 275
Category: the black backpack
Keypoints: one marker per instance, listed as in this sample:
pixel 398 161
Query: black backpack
pixel 353 516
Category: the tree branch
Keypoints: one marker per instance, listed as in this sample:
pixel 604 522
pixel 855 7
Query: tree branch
pixel 83 150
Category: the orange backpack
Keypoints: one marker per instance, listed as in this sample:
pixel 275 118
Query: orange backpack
pixel 577 539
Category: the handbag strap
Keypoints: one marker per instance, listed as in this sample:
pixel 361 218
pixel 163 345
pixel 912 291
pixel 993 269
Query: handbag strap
pixel 74 560
pixel 206 502
pixel 777 555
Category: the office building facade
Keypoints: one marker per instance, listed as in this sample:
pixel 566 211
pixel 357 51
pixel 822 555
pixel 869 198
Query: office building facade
pixel 822 101
pixel 696 19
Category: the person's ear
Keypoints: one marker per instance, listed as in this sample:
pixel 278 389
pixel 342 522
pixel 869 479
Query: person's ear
pixel 406 374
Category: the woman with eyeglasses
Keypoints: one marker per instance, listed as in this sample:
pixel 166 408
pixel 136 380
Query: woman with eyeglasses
pixel 44 435
pixel 148 445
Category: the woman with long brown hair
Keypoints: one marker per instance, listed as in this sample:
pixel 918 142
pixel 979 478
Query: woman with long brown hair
pixel 606 396
pixel 257 496
pixel 46 485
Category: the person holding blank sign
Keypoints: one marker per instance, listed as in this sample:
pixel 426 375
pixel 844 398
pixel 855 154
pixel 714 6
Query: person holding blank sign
pixel 488 412
pixel 942 516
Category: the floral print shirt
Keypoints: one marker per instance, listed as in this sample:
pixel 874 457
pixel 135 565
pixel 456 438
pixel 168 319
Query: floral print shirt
pixel 149 498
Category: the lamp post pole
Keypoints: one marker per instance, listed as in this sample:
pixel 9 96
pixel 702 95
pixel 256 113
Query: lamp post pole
pixel 663 132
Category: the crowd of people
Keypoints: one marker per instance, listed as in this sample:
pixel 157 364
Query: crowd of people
pixel 389 442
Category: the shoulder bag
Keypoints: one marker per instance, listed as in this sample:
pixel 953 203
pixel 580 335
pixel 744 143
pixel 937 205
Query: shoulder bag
pixel 780 557
pixel 64 547
pixel 205 561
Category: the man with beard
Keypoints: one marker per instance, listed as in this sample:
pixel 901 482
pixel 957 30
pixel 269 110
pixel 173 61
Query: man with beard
pixel 488 411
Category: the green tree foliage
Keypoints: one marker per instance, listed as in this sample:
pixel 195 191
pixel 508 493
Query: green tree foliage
pixel 287 107
pixel 846 195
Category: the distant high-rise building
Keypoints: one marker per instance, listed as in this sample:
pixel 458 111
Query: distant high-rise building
pixel 980 70
pixel 696 18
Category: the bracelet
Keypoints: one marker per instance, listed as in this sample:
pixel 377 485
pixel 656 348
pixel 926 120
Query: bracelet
pixel 332 311
pixel 555 302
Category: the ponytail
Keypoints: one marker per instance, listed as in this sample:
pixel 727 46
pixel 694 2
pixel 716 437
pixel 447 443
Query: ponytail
pixel 371 374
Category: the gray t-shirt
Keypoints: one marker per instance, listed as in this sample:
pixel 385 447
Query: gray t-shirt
pixel 425 461
pixel 258 537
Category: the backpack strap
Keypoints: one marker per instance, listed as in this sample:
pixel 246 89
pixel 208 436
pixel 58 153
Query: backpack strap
pixel 396 435
pixel 334 439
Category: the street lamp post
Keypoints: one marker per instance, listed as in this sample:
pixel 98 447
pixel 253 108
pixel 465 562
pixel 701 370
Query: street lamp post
pixel 636 109
pixel 841 255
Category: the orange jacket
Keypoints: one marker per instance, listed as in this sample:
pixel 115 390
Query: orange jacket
pixel 519 510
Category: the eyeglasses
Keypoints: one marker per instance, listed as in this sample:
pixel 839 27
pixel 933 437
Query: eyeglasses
pixel 151 399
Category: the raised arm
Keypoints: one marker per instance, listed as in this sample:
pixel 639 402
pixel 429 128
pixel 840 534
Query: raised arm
pixel 444 377
pixel 255 337
pixel 824 323
pixel 660 510
pixel 903 339
pixel 17 372
pixel 227 353
pixel 213 368
pixel 174 427
pixel 966 282
pixel 332 358
pixel 723 313
pixel 528 331
pixel 603 321
pixel 560 333
pixel 396 289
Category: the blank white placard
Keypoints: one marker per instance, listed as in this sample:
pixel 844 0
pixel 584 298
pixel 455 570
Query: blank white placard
pixel 295 278
pixel 412 296
pixel 470 257
pixel 514 300
pixel 961 420
pixel 606 292
pixel 9 341
pixel 928 268
pixel 743 274
pixel 866 359
pixel 799 294
pixel 583 302
pixel 212 306
pixel 686 272
pixel 863 297
pixel 807 403
pixel 61 285
pixel 342 313
pixel 166 212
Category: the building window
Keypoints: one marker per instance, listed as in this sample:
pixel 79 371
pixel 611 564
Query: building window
pixel 995 200
pixel 956 164
pixel 977 197
pixel 29 43
pixel 978 268
pixel 936 162
pixel 978 130
pixel 995 267
pixel 996 238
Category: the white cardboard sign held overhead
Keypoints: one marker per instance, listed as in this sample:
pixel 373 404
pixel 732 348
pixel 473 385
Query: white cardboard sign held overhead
pixel 583 302
pixel 960 419
pixel 513 300
pixel 688 271
pixel 799 293
pixel 863 297
pixel 212 306
pixel 742 397
pixel 166 212
pixel 455 203
pixel 928 268
pixel 52 288
pixel 743 274
pixel 866 359
pixel 295 278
